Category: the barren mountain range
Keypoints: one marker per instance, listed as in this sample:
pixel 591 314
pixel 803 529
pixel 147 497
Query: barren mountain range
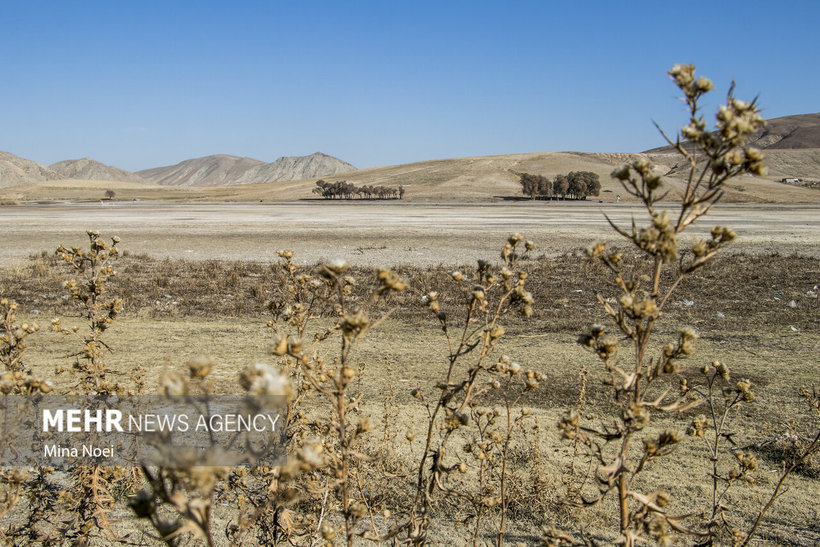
pixel 791 145
pixel 88 169
pixel 15 170
pixel 217 170
pixel 224 170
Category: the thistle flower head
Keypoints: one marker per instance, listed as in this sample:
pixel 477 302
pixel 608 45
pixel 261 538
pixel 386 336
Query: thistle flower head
pixel 263 379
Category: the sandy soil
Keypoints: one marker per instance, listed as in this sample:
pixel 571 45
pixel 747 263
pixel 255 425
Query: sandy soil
pixel 370 233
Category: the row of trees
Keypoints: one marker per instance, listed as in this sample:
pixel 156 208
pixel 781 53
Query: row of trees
pixel 575 185
pixel 347 190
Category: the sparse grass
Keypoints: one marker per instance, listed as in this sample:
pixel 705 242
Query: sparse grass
pixel 749 290
pixel 754 339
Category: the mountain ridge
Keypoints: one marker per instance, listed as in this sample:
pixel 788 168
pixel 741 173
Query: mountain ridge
pixel 15 171
pixel 227 170
pixel 796 132
pixel 791 147
pixel 88 169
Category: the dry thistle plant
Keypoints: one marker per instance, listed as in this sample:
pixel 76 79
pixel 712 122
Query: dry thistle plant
pixel 722 399
pixel 16 380
pixel 459 411
pixel 806 448
pixel 187 489
pixel 489 447
pixel 94 269
pixel 640 376
pixel 91 498
pixel 13 336
pixel 324 472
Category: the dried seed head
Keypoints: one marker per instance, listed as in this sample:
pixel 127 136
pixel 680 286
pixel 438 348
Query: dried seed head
pixel 596 250
pixel 328 532
pixel 699 247
pixel 606 346
pixel 636 416
pixel 683 75
pixel 621 172
pixel 355 323
pixel 390 280
pixel 699 426
pixel 358 509
pixel 704 84
pixel 670 367
pixel 334 268
pixel 722 369
pixel 172 384
pixel 263 379
pixel 744 389
pixel 669 437
pixel 281 346
pixel 200 366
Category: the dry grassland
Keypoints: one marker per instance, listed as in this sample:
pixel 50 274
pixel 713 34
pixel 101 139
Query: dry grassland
pixel 177 309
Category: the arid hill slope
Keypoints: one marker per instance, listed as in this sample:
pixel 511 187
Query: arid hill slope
pixel 15 170
pixel 488 178
pixel 88 169
pixel 791 147
pixel 224 170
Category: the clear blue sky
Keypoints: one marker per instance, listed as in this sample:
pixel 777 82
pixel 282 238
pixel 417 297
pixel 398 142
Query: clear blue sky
pixel 141 84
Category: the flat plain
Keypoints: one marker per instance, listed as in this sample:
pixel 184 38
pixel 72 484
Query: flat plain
pixel 374 233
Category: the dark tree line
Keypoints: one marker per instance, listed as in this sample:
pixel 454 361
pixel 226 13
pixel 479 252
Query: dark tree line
pixel 347 190
pixel 574 185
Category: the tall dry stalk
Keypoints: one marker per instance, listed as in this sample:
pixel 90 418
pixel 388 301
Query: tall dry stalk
pixel 640 369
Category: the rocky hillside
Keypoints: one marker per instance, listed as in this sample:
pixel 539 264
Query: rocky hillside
pixel 796 132
pixel 216 170
pixel 300 167
pixel 224 170
pixel 789 133
pixel 15 170
pixel 791 145
pixel 88 169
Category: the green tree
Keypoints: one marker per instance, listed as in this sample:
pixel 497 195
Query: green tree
pixel 560 186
